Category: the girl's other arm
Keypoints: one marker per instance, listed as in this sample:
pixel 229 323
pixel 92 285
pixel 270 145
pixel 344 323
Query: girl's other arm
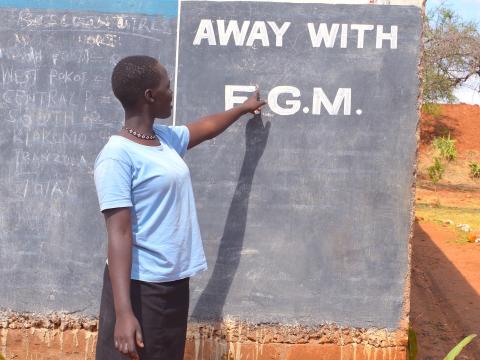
pixel 127 333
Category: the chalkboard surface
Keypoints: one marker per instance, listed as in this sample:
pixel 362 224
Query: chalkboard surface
pixel 57 111
pixel 304 211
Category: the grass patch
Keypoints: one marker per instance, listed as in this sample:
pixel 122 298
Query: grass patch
pixel 439 214
pixel 474 170
pixel 432 109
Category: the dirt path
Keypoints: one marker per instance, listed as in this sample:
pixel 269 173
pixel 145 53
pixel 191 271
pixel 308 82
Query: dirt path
pixel 445 297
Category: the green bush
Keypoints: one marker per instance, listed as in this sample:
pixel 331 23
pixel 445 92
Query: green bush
pixel 474 170
pixel 446 146
pixel 432 109
pixel 435 172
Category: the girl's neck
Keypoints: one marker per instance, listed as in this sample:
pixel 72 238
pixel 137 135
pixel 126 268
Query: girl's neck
pixel 142 123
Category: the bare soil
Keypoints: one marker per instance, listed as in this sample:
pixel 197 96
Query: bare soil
pixel 445 293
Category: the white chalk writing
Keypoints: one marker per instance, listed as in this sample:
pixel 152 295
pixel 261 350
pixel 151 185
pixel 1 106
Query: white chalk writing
pixel 250 34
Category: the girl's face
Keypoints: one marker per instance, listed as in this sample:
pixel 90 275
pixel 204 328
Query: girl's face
pixel 160 98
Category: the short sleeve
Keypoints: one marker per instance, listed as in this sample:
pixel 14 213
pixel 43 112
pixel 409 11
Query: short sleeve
pixel 179 138
pixel 113 179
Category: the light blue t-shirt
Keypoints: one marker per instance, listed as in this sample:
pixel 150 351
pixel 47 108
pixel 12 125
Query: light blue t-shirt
pixel 155 182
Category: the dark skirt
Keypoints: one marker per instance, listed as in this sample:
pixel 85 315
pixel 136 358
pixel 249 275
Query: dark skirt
pixel 161 309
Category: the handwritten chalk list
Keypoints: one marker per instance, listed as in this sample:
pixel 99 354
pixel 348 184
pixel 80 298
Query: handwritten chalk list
pixel 57 110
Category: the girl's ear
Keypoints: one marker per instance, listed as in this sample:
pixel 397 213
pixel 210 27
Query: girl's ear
pixel 149 96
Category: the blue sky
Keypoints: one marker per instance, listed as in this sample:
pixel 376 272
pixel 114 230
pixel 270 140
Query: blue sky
pixel 467 9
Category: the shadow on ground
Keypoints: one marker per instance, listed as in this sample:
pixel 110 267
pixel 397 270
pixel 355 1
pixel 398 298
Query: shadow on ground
pixel 434 126
pixel 444 307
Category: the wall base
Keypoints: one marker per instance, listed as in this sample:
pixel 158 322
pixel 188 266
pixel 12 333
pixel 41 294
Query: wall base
pixel 64 337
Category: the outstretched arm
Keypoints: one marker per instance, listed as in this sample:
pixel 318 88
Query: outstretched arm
pixel 210 126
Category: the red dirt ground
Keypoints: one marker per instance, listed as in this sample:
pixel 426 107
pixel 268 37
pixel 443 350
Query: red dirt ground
pixel 445 295
pixel 461 120
pixel 445 292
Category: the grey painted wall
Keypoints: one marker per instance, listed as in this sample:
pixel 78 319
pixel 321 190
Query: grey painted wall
pixel 305 217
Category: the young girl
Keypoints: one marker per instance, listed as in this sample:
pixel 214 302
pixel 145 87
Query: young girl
pixel 145 193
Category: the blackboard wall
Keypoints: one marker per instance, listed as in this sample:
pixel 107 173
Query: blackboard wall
pixel 57 111
pixel 305 218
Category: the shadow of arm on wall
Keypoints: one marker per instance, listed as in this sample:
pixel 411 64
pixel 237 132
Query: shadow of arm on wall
pixel 212 300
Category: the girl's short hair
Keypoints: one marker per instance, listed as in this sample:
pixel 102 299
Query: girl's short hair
pixel 132 76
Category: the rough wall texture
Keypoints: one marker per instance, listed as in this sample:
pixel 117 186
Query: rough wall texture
pixel 60 336
pixel 40 337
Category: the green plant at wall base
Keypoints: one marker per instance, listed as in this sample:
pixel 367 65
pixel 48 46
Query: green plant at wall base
pixel 413 349
pixel 412 344
pixel 1 357
pixel 459 347
pixel 474 170
pixel 446 146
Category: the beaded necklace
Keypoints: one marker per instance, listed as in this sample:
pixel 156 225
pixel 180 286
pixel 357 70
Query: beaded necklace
pixel 139 135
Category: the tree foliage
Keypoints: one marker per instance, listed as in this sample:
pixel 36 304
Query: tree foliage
pixel 451 54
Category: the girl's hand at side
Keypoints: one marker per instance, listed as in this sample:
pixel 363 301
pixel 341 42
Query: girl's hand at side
pixel 128 335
